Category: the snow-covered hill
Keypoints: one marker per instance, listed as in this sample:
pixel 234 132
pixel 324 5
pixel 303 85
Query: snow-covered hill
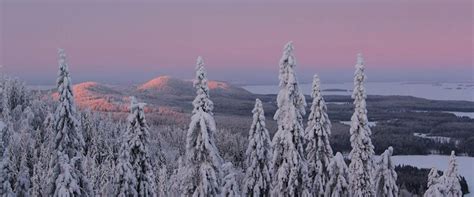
pixel 160 92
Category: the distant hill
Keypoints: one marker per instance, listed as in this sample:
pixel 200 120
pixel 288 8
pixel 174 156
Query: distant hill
pixel 159 93
pixel 179 87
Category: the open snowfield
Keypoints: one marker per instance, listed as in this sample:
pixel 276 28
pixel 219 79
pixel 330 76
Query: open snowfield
pixel 462 114
pixel 466 165
pixel 435 91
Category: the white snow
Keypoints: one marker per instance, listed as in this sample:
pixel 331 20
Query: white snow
pixel 462 114
pixel 466 165
pixel 370 123
pixel 288 162
pixel 439 139
pixel 361 155
pixel 257 179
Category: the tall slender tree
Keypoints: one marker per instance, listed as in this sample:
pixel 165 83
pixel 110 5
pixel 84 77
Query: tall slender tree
pixel 318 150
pixel 125 181
pixel 66 174
pixel 203 162
pixel 257 181
pixel 136 174
pixel 289 168
pixel 361 166
pixel 385 175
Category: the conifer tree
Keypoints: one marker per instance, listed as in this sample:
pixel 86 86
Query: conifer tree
pixel 230 188
pixel 134 170
pixel 289 168
pixel 451 178
pixel 257 181
pixel 361 166
pixel 23 182
pixel 337 185
pixel 318 150
pixel 435 188
pixel 6 175
pixel 66 174
pixel 385 175
pixel 202 173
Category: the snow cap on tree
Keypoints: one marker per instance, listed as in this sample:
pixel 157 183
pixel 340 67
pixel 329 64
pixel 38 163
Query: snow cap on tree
pixel 289 89
pixel 67 176
pixel 289 168
pixel 385 175
pixel 318 148
pixel 361 166
pixel 433 177
pixel 337 185
pixel 257 181
pixel 435 187
pixel 202 100
pixel 137 137
pixel 451 178
pixel 202 173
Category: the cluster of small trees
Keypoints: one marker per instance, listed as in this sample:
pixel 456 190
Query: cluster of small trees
pixel 71 153
pixel 446 185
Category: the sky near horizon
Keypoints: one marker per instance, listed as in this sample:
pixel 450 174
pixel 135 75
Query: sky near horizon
pixel 241 41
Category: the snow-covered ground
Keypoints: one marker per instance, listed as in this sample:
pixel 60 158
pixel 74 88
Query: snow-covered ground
pixel 439 139
pixel 371 124
pixel 462 114
pixel 466 165
pixel 435 91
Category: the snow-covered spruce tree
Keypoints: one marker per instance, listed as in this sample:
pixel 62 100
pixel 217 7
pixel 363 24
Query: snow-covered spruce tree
pixel 163 182
pixel 135 170
pixel 202 173
pixel 175 182
pixel 257 181
pixel 361 166
pixel 385 175
pixel 23 182
pixel 66 174
pixel 44 139
pixel 230 188
pixel 337 185
pixel 289 168
pixel 125 182
pixel 6 175
pixel 318 149
pixel 450 178
pixel 433 177
pixel 434 187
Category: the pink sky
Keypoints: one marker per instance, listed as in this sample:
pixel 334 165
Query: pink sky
pixel 106 40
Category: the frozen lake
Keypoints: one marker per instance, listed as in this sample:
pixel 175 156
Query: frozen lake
pixel 466 165
pixel 434 91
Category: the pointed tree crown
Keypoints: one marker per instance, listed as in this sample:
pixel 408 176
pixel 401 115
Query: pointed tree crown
pixel 361 166
pixel 202 101
pixel 290 96
pixel 257 179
